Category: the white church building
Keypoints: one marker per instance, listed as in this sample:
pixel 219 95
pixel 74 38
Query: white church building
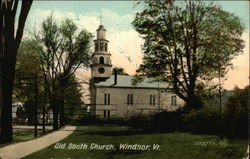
pixel 115 96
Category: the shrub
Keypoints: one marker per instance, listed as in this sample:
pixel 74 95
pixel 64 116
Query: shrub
pixel 93 120
pixel 159 122
pixel 236 114
pixel 140 121
pixel 169 121
pixel 204 120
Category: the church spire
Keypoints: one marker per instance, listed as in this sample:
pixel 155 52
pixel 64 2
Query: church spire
pixel 101 17
pixel 101 62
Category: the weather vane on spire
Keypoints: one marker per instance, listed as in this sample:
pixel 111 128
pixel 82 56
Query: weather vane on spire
pixel 101 17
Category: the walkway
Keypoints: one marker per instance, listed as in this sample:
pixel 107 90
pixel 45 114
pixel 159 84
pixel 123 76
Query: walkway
pixel 247 157
pixel 21 149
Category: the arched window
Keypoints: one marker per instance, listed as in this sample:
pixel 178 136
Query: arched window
pixel 101 60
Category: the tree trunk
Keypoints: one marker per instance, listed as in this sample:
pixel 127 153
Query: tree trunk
pixel 30 117
pixel 54 105
pixel 1 58
pixel 63 84
pixel 193 102
pixel 10 49
pixel 62 122
pixel 8 75
pixel 6 117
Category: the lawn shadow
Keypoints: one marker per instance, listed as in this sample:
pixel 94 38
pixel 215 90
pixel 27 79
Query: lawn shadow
pixel 127 132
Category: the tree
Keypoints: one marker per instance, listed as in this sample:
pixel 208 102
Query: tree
pixel 236 113
pixel 186 42
pixel 119 71
pixel 10 41
pixel 73 101
pixel 27 66
pixel 63 50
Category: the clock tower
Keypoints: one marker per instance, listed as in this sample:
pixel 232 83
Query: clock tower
pixel 101 63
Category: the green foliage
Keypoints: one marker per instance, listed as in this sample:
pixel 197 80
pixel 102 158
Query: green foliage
pixel 28 62
pixel 236 113
pixel 136 80
pixel 169 121
pixel 93 120
pixel 73 102
pixel 204 120
pixel 27 67
pixel 141 121
pixel 187 41
pixel 64 47
pixel 159 122
pixel 208 95
pixel 119 70
pixel 63 50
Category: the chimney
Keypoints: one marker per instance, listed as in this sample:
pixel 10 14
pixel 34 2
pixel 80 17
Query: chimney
pixel 115 82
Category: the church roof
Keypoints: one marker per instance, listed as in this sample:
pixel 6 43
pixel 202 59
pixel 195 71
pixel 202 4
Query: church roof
pixel 126 81
pixel 101 27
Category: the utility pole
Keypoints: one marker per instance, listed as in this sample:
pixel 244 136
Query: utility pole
pixel 45 102
pixel 220 115
pixel 219 78
pixel 36 104
pixel 220 102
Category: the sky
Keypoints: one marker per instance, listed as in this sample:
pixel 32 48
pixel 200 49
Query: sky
pixel 125 43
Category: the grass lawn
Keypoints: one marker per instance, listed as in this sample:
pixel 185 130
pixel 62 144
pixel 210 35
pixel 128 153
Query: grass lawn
pixel 20 135
pixel 172 145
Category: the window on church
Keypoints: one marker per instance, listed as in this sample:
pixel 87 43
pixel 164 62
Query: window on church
pixel 152 100
pixel 130 100
pixel 173 101
pixel 107 99
pixel 106 113
pixel 106 47
pixel 96 46
pixel 101 60
pixel 101 46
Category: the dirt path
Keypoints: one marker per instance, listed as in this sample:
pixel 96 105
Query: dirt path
pixel 21 149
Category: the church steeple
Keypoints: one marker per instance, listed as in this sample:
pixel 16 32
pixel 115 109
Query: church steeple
pixel 101 32
pixel 101 63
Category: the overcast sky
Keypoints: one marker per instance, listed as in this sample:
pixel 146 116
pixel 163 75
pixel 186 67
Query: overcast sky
pixel 125 42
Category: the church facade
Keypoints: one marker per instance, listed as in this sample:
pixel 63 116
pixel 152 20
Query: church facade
pixel 115 96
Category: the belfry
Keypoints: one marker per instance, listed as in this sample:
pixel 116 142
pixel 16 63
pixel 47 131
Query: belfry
pixel 101 63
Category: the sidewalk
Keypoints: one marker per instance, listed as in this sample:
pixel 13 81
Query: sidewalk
pixel 39 127
pixel 247 157
pixel 19 150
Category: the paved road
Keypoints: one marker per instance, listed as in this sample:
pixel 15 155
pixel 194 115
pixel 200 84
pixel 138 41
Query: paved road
pixel 21 149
